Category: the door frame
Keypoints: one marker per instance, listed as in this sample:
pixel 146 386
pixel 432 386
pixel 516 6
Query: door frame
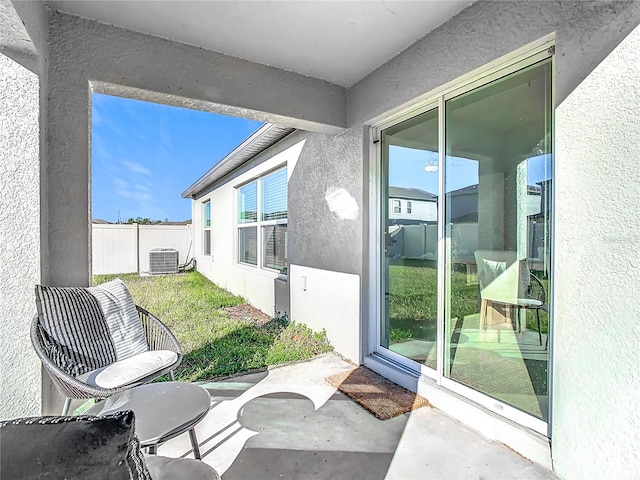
pixel 517 60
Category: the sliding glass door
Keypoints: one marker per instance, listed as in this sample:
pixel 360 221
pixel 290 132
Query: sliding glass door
pixel 410 158
pixel 465 232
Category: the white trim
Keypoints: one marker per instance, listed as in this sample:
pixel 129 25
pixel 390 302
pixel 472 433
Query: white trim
pixel 551 293
pixel 442 278
pixel 497 406
pixel 415 106
pixel 258 224
pixel 205 229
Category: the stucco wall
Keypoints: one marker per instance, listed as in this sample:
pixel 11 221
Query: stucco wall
pixel 328 300
pixel 82 51
pixel 596 419
pixel 20 233
pixel 325 204
pixel 586 31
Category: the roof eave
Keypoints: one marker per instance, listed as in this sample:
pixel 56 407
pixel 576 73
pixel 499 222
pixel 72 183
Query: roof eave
pixel 260 140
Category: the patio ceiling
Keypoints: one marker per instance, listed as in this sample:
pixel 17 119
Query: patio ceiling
pixel 337 41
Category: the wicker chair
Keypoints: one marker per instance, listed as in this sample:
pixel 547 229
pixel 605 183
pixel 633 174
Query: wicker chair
pixel 535 299
pixel 158 337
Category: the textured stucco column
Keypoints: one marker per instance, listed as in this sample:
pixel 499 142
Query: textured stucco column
pixel 325 203
pixel 83 54
pixel 326 213
pixel 19 237
pixel 155 69
pixel 596 394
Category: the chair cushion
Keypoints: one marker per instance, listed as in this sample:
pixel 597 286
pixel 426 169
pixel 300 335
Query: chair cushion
pixel 493 269
pixel 165 468
pixel 122 318
pixel 130 370
pixel 83 447
pixel 72 319
pixel 529 302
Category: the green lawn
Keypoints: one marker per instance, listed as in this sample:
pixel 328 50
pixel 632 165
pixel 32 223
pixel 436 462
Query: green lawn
pixel 213 343
pixel 413 301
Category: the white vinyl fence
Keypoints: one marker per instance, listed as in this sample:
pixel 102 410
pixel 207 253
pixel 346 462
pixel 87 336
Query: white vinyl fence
pixel 125 248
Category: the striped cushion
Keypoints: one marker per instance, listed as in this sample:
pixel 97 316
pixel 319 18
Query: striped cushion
pixel 122 318
pixel 73 322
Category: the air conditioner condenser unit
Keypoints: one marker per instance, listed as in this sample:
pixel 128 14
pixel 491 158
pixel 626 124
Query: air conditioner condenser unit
pixel 163 260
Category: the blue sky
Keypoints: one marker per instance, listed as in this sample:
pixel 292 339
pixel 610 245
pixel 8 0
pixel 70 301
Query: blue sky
pixel 144 155
pixel 414 168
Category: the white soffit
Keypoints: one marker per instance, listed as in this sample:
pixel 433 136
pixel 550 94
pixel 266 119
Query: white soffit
pixel 337 41
pixel 263 138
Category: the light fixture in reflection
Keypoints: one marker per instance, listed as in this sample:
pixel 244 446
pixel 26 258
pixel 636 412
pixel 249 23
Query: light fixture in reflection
pixel 431 166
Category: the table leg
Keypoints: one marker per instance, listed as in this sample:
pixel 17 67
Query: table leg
pixel 194 444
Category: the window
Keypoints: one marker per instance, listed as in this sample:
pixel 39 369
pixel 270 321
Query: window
pixel 262 207
pixel 409 206
pixel 206 223
pixel 397 208
pixel 247 219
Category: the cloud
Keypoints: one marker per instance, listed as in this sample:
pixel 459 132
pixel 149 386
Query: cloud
pixel 431 166
pixel 166 139
pixel 137 196
pixel 136 167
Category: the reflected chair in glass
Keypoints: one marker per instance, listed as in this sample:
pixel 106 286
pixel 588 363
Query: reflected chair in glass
pixel 535 298
pixel 498 279
pixel 505 280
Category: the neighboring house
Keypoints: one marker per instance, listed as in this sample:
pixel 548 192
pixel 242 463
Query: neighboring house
pixel 490 86
pixel 411 206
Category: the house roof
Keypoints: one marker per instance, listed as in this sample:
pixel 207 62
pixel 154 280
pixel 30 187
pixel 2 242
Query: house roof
pixel 257 142
pixel 411 193
pixel 473 189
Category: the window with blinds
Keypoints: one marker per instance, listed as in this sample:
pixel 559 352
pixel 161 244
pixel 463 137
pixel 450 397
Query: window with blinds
pixel 248 245
pixel 206 222
pixel 274 196
pixel 262 222
pixel 275 246
pixel 248 202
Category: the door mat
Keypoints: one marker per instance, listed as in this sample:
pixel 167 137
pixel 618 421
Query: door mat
pixel 376 394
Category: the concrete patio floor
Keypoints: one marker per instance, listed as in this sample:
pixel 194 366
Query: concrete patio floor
pixel 289 423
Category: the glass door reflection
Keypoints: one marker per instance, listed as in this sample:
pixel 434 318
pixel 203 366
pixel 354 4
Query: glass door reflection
pixel 410 255
pixel 497 184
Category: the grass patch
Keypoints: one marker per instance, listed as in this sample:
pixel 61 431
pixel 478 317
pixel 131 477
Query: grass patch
pixel 213 343
pixel 413 301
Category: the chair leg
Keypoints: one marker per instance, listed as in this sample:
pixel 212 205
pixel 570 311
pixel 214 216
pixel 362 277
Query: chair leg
pixel 483 315
pixel 539 329
pixel 171 377
pixel 194 444
pixel 65 407
pixel 546 341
